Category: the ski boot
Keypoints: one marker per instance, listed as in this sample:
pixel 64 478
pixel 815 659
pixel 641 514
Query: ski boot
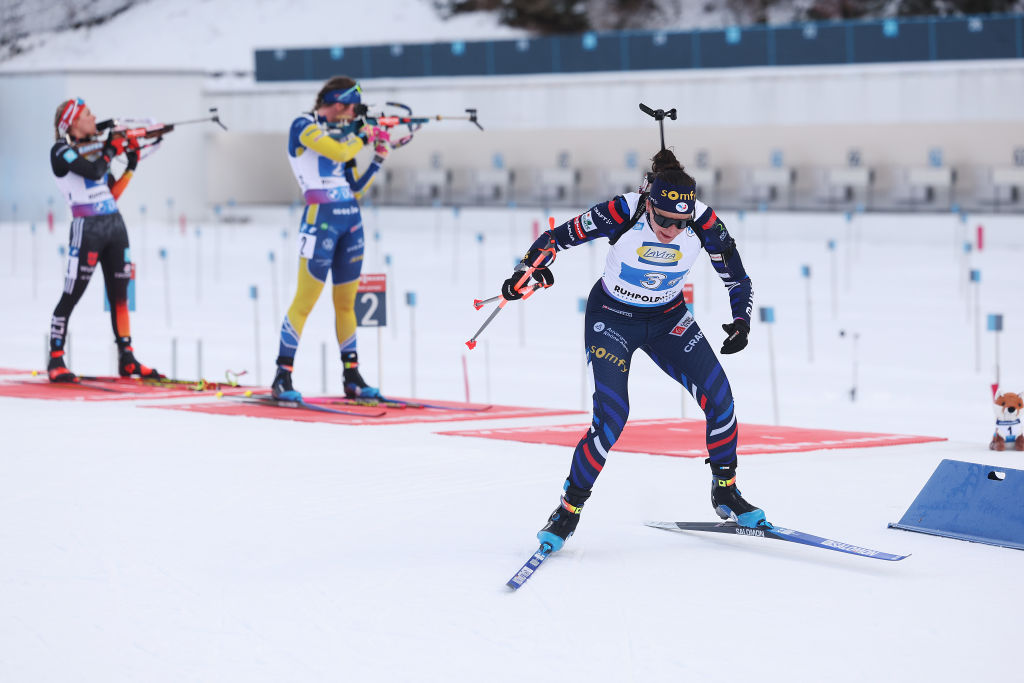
pixel 282 388
pixel 562 522
pixel 128 366
pixel 355 385
pixel 57 371
pixel 729 502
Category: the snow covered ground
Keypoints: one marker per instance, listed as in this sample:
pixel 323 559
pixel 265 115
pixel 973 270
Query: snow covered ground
pixel 144 544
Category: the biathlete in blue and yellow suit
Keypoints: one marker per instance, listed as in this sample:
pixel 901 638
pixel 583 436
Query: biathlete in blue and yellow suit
pixel 638 305
pixel 331 233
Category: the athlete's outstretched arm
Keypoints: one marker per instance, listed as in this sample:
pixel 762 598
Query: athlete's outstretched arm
pixel 725 259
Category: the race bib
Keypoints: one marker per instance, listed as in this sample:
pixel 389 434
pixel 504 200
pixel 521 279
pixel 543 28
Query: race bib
pixel 307 245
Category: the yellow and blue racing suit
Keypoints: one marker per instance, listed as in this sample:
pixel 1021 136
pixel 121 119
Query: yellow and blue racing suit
pixel 331 232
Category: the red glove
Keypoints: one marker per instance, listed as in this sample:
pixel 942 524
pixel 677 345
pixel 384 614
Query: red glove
pixel 115 146
pixel 133 144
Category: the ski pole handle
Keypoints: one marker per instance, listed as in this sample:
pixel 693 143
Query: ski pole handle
pixel 527 291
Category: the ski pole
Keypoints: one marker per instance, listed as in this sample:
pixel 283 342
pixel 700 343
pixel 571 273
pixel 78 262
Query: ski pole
pixel 479 303
pixel 527 291
pixel 497 309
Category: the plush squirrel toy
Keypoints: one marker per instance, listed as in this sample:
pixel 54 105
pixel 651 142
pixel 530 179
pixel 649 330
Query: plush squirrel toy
pixel 1008 407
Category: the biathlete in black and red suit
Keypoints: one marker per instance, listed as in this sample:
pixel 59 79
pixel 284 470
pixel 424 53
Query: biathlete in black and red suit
pixel 98 234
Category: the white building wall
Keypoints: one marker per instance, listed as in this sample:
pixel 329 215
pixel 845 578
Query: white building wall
pixel 893 113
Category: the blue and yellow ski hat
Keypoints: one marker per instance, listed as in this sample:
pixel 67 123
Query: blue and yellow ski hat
pixel 351 95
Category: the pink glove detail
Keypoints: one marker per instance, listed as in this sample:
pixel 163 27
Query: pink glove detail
pixel 376 133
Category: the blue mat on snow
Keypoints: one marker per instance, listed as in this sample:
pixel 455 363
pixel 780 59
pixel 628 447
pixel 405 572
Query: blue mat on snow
pixel 970 502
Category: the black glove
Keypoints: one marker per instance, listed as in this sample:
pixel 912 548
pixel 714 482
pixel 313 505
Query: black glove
pixel 133 159
pixel 509 290
pixel 737 340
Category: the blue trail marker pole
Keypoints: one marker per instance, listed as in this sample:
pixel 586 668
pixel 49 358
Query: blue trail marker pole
pixel 995 326
pixel 768 318
pixel 167 286
pixel 480 262
pixel 849 250
pixel 805 272
pixel 965 259
pixel 254 294
pixel 976 282
pixel 275 292
pixel 833 277
pixel 410 301
pixel 854 336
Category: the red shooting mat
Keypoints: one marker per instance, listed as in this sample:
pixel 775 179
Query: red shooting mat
pixel 452 412
pixel 685 438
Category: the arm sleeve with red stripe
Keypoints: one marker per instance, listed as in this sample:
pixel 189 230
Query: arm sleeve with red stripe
pixel 602 220
pixel 725 259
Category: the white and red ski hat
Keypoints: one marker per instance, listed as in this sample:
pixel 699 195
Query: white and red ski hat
pixel 71 112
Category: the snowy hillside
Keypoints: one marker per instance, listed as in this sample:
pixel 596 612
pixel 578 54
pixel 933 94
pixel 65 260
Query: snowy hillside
pixel 221 36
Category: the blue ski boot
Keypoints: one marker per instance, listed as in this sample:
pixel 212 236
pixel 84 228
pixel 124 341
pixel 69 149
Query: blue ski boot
pixel 355 385
pixel 729 502
pixel 282 388
pixel 562 522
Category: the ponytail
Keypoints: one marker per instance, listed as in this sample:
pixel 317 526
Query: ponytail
pixel 665 160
